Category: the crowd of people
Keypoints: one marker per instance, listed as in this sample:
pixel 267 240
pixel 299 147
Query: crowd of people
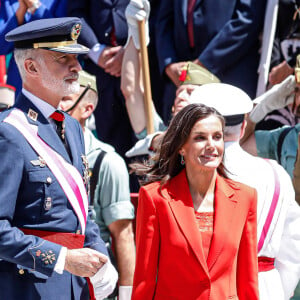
pixel 218 177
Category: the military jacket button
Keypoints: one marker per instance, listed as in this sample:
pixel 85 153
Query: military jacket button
pixel 49 180
pixel 48 203
pixel 21 271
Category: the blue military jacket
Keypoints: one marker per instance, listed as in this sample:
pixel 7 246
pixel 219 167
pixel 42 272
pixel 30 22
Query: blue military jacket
pixel 226 35
pixel 31 197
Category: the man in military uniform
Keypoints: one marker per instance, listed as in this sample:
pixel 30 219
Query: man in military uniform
pixel 48 243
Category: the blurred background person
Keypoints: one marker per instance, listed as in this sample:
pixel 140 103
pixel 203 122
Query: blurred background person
pixel 280 47
pixel 14 13
pixel 221 36
pixel 109 187
pixel 104 31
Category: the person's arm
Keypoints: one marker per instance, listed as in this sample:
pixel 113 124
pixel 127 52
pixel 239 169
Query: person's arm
pixel 236 37
pixel 277 97
pixel 247 267
pixel 11 16
pixel 131 76
pixel 147 146
pixel 132 87
pixel 280 72
pixel 248 141
pixel 123 239
pixel 147 248
pixel 296 173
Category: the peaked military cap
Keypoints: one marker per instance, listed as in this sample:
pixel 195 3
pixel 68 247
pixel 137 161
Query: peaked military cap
pixel 55 34
pixel 231 102
pixel 195 74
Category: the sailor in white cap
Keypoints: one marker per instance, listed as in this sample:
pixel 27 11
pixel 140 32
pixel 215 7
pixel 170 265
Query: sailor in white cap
pixel 278 213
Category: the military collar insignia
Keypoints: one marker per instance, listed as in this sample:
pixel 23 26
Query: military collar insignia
pixel 33 115
pixel 75 31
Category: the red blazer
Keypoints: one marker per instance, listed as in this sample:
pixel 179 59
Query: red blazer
pixel 170 260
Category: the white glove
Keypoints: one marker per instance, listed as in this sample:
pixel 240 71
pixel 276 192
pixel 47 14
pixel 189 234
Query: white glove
pixel 279 96
pixel 137 10
pixel 142 146
pixel 104 281
pixel 125 292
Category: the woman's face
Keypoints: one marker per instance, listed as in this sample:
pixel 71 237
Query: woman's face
pixel 204 147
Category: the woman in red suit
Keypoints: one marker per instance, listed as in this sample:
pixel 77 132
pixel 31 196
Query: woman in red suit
pixel 196 229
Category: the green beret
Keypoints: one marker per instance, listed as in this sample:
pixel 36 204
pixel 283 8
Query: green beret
pixel 195 74
pixel 86 79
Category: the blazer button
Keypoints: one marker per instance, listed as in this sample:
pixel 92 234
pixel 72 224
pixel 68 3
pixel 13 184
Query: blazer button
pixel 21 272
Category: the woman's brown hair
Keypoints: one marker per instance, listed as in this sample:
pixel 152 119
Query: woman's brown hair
pixel 166 164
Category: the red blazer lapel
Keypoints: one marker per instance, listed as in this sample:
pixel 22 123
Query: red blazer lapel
pixel 225 203
pixel 181 204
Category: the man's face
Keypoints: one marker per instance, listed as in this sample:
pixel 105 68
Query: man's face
pixel 182 97
pixel 59 72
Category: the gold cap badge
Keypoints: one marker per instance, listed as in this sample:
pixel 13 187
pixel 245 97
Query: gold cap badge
pixel 75 31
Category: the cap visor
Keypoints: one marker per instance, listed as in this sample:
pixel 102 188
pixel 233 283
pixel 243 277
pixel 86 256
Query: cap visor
pixel 72 49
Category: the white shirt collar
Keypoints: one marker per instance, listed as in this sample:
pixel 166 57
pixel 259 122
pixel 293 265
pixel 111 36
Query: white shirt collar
pixel 45 108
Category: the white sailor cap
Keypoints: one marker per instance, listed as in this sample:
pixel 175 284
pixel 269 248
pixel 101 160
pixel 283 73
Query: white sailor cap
pixel 7 96
pixel 228 100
